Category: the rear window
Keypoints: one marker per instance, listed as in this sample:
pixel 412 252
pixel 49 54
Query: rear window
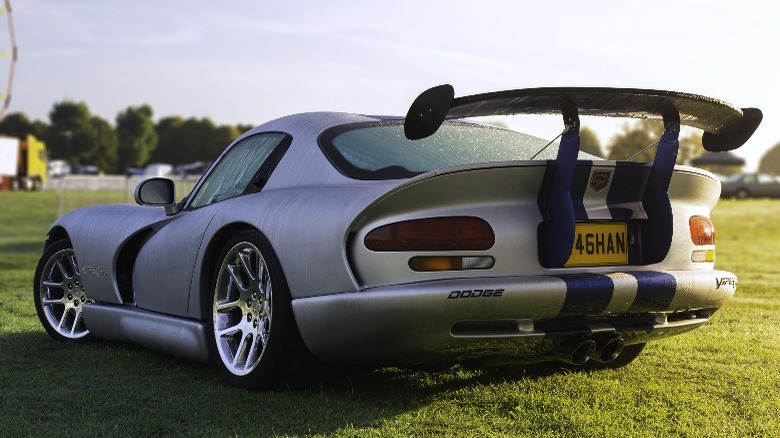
pixel 379 150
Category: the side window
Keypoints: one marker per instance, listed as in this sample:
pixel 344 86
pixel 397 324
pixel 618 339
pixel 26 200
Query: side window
pixel 242 167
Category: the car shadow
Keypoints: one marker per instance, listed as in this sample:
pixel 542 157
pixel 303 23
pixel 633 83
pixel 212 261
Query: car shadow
pixel 119 383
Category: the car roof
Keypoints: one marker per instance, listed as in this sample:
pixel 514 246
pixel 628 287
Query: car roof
pixel 305 164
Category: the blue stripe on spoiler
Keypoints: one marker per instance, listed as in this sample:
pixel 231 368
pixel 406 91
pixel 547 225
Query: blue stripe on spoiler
pixel 625 193
pixel 578 186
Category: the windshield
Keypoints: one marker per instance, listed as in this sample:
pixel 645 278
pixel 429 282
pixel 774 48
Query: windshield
pixel 379 150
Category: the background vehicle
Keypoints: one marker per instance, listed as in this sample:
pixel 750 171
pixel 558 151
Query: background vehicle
pixel 22 163
pixel 87 169
pixel 59 168
pixel 158 169
pixel 750 185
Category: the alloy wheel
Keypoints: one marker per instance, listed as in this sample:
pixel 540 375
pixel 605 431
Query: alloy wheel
pixel 242 308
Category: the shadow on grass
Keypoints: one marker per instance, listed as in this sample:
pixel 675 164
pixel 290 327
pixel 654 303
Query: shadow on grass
pixel 123 388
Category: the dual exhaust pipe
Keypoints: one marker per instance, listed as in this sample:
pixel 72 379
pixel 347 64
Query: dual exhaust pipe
pixel 577 351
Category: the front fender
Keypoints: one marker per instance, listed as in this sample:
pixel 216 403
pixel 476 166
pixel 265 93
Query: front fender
pixel 97 234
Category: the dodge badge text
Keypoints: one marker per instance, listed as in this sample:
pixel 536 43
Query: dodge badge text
pixel 475 293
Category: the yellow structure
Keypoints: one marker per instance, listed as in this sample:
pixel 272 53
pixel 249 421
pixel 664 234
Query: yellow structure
pixel 36 158
pixel 23 163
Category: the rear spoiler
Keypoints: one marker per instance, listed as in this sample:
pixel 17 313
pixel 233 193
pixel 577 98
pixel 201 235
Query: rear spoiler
pixel 725 126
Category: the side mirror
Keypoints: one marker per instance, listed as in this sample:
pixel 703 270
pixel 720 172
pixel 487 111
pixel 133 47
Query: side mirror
pixel 157 191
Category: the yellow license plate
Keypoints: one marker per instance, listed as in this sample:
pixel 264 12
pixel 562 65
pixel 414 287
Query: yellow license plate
pixel 598 244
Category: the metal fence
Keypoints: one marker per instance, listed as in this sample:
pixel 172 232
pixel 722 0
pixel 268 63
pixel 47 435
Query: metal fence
pixel 76 191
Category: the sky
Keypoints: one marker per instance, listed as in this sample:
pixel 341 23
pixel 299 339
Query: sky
pixel 241 61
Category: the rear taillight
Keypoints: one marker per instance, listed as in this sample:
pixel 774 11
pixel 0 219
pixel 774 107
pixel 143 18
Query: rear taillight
pixel 702 230
pixel 702 233
pixel 460 233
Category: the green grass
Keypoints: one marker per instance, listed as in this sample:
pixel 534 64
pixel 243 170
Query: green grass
pixel 720 380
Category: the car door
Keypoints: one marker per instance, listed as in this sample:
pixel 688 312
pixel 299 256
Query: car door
pixel 163 272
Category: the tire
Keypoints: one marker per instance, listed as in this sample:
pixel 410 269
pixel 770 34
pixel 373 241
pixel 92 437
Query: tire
pixel 626 356
pixel 742 194
pixel 59 293
pixel 252 333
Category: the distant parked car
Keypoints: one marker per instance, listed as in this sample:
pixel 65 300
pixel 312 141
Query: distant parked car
pixel 158 169
pixel 750 185
pixel 195 168
pixel 86 169
pixel 58 168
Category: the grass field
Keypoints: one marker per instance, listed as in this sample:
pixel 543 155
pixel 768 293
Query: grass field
pixel 720 380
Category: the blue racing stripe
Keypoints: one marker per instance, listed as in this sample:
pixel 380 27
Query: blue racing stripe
pixel 586 294
pixel 655 291
pixel 628 187
pixel 578 185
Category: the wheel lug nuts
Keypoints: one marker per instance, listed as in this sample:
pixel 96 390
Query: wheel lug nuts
pixel 77 282
pixel 83 299
pixel 70 287
pixel 70 297
pixel 249 318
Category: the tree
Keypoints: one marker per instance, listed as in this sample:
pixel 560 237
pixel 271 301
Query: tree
pixel 635 137
pixel 186 141
pixel 589 142
pixel 642 133
pixel 170 145
pixel 104 154
pixel 690 148
pixel 40 129
pixel 16 125
pixel 770 161
pixel 136 135
pixel 243 127
pixel 70 136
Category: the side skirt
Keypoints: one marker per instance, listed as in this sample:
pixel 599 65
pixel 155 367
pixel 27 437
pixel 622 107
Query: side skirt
pixel 177 336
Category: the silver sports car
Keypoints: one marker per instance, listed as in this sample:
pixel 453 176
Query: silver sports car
pixel 429 239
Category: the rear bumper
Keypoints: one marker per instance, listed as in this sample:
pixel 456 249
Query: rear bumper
pixel 518 318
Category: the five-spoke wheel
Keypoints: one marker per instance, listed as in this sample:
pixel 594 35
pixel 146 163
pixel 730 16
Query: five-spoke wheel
pixel 59 293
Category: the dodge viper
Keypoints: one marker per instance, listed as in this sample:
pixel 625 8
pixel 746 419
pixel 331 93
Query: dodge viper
pixel 420 240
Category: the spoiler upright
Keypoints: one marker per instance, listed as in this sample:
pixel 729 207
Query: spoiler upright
pixel 725 126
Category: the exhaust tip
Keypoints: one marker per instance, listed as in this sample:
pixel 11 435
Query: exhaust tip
pixel 609 350
pixel 576 352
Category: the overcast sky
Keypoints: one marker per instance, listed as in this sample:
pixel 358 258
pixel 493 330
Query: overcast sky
pixel 251 61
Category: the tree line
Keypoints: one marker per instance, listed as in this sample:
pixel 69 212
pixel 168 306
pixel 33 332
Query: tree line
pixel 79 137
pixel 635 136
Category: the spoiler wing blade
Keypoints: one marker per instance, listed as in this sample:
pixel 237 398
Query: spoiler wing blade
pixel 726 126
